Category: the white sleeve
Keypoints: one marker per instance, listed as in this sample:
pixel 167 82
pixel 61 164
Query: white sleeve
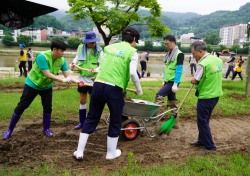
pixel 76 57
pixel 133 72
pixel 99 61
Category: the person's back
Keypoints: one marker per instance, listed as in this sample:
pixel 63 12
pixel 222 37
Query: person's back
pixel 118 55
pixel 144 57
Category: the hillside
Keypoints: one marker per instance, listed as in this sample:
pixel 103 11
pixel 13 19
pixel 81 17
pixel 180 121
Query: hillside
pixel 214 21
pixel 179 23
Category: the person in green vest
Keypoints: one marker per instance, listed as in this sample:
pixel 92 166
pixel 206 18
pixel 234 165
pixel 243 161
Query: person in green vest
pixel 40 82
pixel 88 57
pixel 172 75
pixel 208 81
pixel 119 64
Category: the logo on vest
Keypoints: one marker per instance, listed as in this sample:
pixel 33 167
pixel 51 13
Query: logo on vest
pixel 120 52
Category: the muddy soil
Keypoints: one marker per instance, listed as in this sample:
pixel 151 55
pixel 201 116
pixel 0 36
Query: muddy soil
pixel 29 148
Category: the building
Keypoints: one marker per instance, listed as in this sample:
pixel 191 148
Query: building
pixel 1 34
pixel 34 34
pixel 186 39
pixel 233 35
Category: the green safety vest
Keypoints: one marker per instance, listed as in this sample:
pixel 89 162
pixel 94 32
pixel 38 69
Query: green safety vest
pixel 170 70
pixel 210 85
pixel 115 64
pixel 36 75
pixel 91 62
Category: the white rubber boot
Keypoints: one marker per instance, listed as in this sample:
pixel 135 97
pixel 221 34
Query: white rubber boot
pixel 78 154
pixel 112 152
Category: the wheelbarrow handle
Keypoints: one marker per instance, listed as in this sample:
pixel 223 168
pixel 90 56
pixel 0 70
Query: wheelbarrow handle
pixel 131 90
pixel 84 69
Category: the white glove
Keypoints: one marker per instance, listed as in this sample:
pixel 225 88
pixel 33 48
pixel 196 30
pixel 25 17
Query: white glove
pixel 68 79
pixel 235 68
pixel 174 88
pixel 139 92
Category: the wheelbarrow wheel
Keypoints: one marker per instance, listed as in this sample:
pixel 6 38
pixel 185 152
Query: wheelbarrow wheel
pixel 130 134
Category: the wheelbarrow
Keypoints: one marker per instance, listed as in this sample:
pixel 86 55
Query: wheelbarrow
pixel 144 111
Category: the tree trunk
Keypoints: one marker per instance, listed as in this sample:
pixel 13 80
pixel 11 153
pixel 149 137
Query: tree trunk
pixel 248 75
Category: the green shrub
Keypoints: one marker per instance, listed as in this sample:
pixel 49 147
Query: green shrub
pixel 8 40
pixel 73 42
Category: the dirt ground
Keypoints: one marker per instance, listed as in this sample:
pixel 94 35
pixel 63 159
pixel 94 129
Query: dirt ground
pixel 29 148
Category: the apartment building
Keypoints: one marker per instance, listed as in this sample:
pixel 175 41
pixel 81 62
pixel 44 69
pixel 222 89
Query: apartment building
pixel 233 35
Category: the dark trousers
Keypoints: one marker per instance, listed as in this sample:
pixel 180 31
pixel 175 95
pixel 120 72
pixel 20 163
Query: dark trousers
pixel 166 90
pixel 22 68
pixel 102 94
pixel 193 68
pixel 143 65
pixel 229 69
pixel 204 111
pixel 235 74
pixel 29 65
pixel 143 68
pixel 29 95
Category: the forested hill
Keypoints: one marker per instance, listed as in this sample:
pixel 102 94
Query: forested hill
pixel 179 23
pixel 214 21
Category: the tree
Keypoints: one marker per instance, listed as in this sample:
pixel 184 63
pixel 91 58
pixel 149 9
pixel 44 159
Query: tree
pixel 235 48
pixel 56 38
pixel 248 63
pixel 7 40
pixel 44 21
pixel 73 42
pixel 148 45
pixel 115 15
pixel 212 39
pixel 222 47
pixel 24 39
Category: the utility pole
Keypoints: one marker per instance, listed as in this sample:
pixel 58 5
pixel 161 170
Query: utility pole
pixel 248 63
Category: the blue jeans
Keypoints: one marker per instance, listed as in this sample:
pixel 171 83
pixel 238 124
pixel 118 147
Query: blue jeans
pixel 166 90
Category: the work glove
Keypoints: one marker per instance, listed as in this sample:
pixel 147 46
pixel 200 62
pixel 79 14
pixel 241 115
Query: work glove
pixel 174 88
pixel 139 92
pixel 92 71
pixel 235 68
pixel 67 80
pixel 81 83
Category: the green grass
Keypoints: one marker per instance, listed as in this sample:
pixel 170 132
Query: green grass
pixel 232 165
pixel 66 102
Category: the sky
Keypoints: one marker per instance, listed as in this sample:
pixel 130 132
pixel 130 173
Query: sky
pixel 202 7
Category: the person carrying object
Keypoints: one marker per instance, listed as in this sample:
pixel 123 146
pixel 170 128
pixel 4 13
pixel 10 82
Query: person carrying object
pixel 88 57
pixel 118 65
pixel 40 82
